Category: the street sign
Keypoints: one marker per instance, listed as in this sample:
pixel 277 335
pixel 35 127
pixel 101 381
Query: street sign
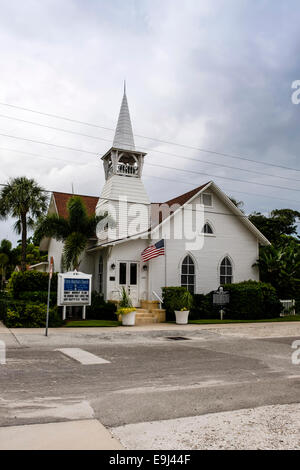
pixel 74 288
pixel 51 267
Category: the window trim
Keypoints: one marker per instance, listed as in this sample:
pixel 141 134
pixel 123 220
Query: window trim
pixel 207 222
pixel 211 196
pixel 187 274
pixel 232 269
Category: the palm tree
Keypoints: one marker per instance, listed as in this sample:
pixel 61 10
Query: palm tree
pixel 74 231
pixel 22 198
pixel 281 267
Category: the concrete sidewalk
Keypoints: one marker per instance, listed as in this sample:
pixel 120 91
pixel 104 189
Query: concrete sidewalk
pixel 72 337
pixel 87 434
pixel 8 337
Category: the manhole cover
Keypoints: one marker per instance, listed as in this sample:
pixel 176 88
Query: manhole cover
pixel 178 338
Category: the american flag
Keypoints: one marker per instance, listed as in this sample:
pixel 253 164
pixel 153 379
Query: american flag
pixel 153 251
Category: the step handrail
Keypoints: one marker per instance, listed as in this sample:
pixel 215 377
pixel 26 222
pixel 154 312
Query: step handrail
pixel 157 296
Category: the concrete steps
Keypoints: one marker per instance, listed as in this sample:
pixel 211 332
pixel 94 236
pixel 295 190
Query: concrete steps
pixel 149 313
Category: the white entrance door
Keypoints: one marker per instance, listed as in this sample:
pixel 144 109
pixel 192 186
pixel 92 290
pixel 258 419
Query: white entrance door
pixel 129 279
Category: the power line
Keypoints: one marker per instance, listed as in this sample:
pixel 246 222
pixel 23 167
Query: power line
pixel 223 154
pixel 238 192
pixel 223 177
pixel 188 183
pixel 156 165
pixel 134 202
pixel 149 149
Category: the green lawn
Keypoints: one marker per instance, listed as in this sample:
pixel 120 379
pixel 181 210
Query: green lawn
pixel 215 321
pixel 87 323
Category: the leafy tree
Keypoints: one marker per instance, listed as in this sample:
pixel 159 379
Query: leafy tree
pixel 281 222
pixel 9 259
pixel 25 200
pixel 280 266
pixel 74 231
pixel 33 254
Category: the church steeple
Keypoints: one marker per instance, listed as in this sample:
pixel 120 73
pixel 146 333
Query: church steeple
pixel 124 136
pixel 123 159
pixel 123 166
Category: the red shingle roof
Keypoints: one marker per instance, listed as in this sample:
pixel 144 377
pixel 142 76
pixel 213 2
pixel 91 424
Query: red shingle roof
pixel 185 197
pixel 61 200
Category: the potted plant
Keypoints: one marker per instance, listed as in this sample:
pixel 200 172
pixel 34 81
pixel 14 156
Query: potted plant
pixel 181 304
pixel 126 310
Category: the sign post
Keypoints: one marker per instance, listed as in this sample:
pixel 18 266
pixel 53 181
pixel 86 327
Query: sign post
pixel 48 299
pixel 221 298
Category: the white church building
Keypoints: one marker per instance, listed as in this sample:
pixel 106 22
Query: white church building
pixel 207 240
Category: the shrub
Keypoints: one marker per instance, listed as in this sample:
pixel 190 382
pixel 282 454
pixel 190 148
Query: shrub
pixel 31 315
pixel 183 301
pixel 251 300
pixel 168 294
pixel 39 297
pixel 99 309
pixel 30 281
pixel 9 304
pixel 203 307
pixel 13 318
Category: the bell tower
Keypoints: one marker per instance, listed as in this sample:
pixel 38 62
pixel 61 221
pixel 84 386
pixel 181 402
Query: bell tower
pixel 123 194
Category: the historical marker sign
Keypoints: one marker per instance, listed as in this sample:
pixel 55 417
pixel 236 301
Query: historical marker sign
pixel 74 288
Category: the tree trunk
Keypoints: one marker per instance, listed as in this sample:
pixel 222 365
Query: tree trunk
pixel 24 241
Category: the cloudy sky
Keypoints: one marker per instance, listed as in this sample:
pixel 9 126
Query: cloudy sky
pixel 201 74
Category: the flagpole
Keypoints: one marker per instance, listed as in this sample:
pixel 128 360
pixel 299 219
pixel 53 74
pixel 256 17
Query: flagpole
pixel 165 244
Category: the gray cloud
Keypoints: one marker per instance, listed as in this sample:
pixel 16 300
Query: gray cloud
pixel 207 74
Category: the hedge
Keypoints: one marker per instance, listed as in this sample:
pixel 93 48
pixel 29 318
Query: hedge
pixel 99 309
pixel 249 300
pixel 22 314
pixel 30 281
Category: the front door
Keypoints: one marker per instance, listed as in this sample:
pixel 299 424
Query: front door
pixel 128 278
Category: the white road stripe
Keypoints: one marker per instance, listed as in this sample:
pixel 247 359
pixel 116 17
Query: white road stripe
pixel 84 357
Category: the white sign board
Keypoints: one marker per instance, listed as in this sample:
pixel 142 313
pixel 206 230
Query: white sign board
pixel 74 288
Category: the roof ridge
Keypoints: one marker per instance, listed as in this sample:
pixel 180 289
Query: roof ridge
pixel 183 198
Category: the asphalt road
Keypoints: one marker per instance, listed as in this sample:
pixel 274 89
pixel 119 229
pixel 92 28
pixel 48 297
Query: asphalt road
pixel 147 381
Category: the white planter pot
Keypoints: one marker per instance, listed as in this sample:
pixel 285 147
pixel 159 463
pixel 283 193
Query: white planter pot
pixel 182 317
pixel 129 319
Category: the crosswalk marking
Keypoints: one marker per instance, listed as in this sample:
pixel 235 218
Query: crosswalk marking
pixel 84 357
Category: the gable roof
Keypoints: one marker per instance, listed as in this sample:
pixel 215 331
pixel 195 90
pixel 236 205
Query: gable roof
pixel 61 201
pixel 183 198
pixel 189 196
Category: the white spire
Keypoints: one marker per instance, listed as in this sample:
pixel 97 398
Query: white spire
pixel 124 136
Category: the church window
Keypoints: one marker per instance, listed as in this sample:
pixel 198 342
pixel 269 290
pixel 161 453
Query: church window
pixel 188 274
